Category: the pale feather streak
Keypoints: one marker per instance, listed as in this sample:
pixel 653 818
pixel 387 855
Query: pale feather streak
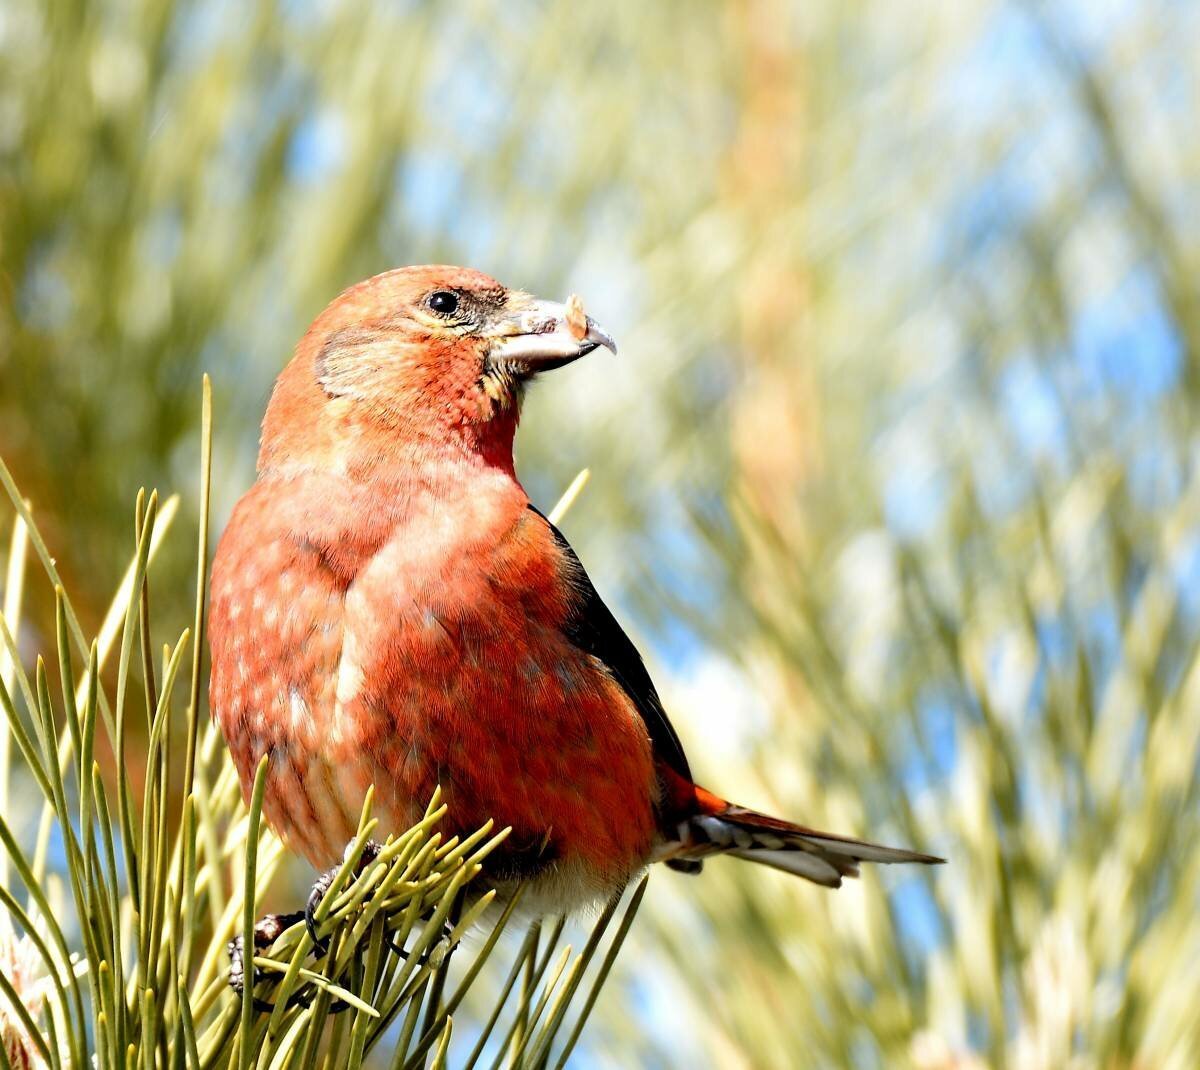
pixel 797 862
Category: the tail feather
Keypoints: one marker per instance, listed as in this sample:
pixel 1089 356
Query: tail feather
pixel 800 863
pixel 821 857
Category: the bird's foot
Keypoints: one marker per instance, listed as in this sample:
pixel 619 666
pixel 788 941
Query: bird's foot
pixel 271 926
pixel 266 930
pixel 321 888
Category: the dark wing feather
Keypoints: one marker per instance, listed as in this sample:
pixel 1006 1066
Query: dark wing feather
pixel 595 630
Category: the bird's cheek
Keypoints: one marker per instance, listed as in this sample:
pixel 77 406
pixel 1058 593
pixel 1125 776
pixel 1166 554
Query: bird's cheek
pixel 493 396
pixel 501 390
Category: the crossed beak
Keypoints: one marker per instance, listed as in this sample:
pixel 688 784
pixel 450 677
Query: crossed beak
pixel 537 337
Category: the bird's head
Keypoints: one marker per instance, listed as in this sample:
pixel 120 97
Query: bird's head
pixel 419 357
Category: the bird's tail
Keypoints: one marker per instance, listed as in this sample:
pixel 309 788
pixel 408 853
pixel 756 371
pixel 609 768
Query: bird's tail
pixel 721 827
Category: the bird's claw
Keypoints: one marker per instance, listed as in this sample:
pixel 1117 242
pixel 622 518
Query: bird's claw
pixel 271 926
pixel 321 888
pixel 266 930
pixel 315 896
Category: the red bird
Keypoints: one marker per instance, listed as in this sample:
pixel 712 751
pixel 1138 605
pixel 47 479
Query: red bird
pixel 389 608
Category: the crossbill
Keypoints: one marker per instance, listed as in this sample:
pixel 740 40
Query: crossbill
pixel 390 609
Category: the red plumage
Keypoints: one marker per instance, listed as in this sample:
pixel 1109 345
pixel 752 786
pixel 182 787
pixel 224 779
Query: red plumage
pixel 388 608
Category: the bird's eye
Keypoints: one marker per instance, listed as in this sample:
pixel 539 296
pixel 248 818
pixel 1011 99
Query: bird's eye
pixel 443 302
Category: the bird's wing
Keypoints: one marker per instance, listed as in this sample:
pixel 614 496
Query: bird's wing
pixel 595 630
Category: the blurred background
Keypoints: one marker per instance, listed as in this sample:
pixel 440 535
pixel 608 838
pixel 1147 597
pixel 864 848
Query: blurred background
pixel 895 480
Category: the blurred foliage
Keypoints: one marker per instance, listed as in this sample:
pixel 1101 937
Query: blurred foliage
pixel 896 473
